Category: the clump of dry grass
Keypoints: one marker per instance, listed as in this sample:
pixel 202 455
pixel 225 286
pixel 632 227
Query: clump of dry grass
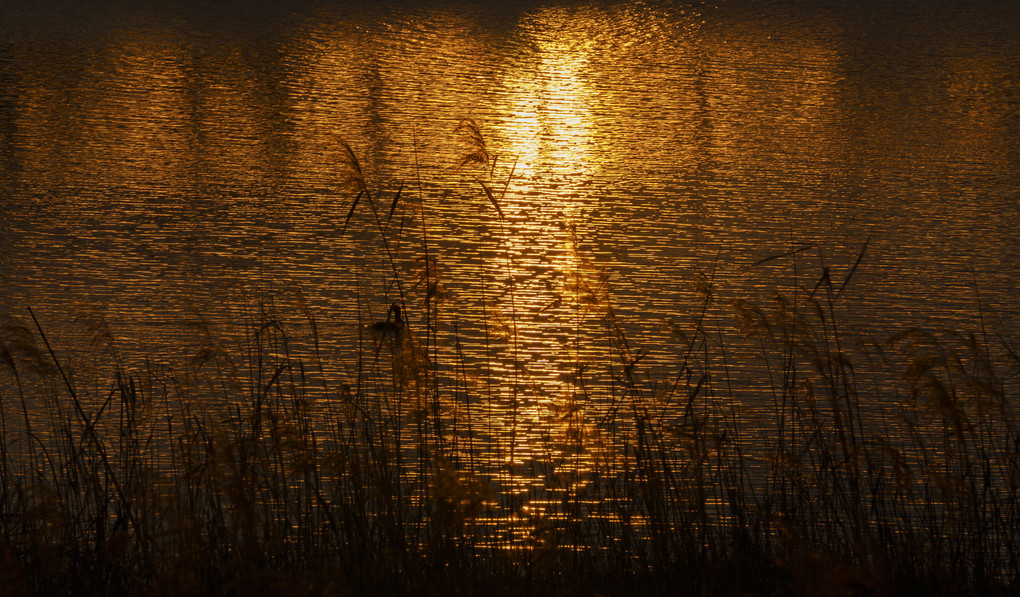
pixel 254 468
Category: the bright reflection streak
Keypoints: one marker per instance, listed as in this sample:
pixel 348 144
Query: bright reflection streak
pixel 549 126
pixel 548 134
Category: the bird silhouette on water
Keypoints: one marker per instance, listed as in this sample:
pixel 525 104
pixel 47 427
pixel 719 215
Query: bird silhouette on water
pixel 390 333
pixel 393 327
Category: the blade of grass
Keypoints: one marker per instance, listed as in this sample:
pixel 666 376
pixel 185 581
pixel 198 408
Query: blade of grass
pixel 393 206
pixel 350 213
pixel 860 256
pixel 492 198
pixel 786 254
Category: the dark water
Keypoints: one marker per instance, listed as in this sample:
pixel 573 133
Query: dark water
pixel 164 161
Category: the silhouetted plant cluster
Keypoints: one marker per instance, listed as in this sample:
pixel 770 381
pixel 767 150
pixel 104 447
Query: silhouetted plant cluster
pixel 254 469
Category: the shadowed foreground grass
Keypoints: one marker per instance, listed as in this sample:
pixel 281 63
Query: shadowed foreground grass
pixel 289 485
pixel 271 468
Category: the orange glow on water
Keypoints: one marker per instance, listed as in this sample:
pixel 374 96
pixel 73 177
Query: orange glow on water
pixel 634 152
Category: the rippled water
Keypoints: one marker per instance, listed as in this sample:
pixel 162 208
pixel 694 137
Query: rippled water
pixel 156 159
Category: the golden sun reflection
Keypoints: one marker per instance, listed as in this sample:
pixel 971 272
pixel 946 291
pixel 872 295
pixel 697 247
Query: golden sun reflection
pixel 548 138
pixel 549 128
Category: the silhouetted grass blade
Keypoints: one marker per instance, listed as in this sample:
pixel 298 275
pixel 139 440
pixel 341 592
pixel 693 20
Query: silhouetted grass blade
pixel 492 198
pixel 350 212
pixel 860 256
pixel 800 249
pixel 393 205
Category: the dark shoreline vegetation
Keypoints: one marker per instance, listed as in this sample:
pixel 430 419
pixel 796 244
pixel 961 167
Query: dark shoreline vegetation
pixel 254 471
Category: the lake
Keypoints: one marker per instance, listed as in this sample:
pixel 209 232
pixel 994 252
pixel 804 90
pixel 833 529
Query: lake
pixel 155 155
pixel 160 160
pixel 584 210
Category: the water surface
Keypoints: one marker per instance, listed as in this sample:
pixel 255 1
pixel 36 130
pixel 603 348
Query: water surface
pixel 169 162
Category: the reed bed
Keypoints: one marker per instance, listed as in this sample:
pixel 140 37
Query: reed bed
pixel 882 468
